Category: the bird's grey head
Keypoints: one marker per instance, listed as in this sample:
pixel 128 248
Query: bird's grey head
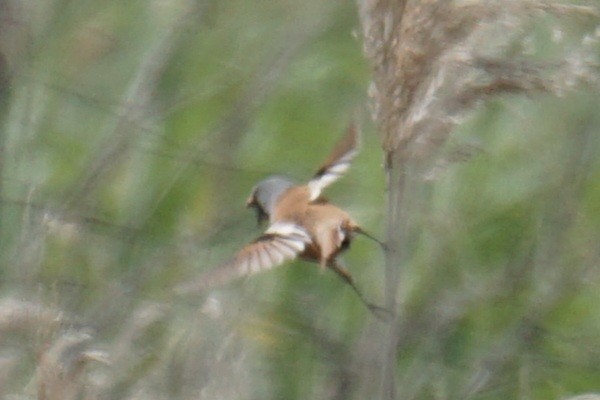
pixel 266 193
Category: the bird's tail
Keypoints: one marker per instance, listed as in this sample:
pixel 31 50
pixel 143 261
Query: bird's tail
pixel 378 311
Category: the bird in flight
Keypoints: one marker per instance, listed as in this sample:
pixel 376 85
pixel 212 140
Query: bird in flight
pixel 302 224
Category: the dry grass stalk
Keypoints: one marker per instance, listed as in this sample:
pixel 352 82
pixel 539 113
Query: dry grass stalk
pixel 24 316
pixel 433 62
pixel 61 369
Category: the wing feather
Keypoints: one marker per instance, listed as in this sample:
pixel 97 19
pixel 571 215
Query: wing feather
pixel 283 241
pixel 337 163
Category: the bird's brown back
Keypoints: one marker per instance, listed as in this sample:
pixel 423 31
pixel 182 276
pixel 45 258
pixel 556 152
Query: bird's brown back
pixel 326 224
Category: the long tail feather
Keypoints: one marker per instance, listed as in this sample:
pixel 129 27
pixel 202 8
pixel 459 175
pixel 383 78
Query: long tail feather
pixel 378 311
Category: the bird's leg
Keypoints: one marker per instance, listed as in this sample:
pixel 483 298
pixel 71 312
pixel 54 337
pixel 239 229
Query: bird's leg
pixel 361 231
pixel 339 269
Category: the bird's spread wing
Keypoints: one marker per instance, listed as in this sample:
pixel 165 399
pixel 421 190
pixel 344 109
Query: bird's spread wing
pixel 283 241
pixel 337 163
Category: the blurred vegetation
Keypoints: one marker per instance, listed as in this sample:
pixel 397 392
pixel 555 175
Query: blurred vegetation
pixel 132 133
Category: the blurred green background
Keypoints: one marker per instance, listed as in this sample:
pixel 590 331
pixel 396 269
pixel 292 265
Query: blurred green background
pixel 134 131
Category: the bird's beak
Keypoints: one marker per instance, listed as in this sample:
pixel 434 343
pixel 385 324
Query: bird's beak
pixel 250 202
